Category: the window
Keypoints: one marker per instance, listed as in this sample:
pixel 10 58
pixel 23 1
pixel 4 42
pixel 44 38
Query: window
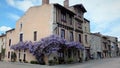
pixel 24 56
pixel 79 13
pixel 71 36
pixel 9 42
pixel 86 29
pixel 80 38
pixel 63 17
pixel 8 54
pixel 62 33
pixel 70 20
pixel 86 38
pixel 21 26
pixel 19 54
pixel 79 25
pixel 21 37
pixel 105 45
pixel 35 35
pixel 69 53
pixel 2 39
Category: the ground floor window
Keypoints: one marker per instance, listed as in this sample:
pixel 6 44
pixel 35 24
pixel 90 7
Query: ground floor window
pixel 8 54
pixel 69 53
pixel 19 54
pixel 24 57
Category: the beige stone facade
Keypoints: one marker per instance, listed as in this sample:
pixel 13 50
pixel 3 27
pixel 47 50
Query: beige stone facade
pixel 10 39
pixel 37 19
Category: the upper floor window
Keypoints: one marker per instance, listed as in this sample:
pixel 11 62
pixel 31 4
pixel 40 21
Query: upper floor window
pixel 21 25
pixel 86 39
pixel 79 25
pixel 2 39
pixel 80 13
pixel 86 29
pixel 71 36
pixel 70 20
pixel 21 37
pixel 105 45
pixel 35 35
pixel 9 42
pixel 63 16
pixel 62 33
pixel 80 38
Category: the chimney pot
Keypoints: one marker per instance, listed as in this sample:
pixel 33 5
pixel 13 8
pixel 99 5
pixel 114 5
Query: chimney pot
pixel 45 2
pixel 66 3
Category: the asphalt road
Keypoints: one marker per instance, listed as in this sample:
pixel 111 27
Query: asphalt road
pixel 101 63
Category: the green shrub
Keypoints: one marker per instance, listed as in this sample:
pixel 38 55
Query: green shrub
pixel 34 62
pixel 13 56
pixel 56 62
pixel 25 61
pixel 51 62
pixel 69 60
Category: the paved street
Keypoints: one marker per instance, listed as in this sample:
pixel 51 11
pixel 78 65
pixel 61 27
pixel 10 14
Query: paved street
pixel 104 63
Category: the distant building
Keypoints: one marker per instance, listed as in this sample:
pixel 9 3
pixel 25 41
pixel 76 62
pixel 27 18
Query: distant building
pixel 102 46
pixel 119 48
pixel 96 45
pixel 113 48
pixel 110 47
pixel 2 46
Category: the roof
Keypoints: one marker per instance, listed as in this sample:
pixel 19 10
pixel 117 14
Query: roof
pixel 10 30
pixel 81 7
pixel 62 7
pixel 2 35
pixel 86 20
pixel 96 34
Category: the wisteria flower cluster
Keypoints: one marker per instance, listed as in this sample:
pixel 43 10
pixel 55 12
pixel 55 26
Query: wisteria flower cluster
pixel 21 45
pixel 46 46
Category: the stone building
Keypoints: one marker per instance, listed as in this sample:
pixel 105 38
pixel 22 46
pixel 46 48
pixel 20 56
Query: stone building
pixel 66 21
pixel 96 46
pixel 113 46
pixel 2 46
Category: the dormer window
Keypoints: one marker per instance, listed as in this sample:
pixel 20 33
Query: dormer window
pixel 63 16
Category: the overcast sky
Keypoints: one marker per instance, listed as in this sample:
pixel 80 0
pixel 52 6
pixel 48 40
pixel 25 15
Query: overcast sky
pixel 104 15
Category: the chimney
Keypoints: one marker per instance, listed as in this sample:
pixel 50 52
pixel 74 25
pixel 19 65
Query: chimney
pixel 66 3
pixel 45 2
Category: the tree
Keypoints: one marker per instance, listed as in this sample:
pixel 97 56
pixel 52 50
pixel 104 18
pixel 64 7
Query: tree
pixel 46 46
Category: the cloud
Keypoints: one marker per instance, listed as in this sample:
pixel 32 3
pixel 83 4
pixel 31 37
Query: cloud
pixel 114 30
pixel 22 4
pixel 4 28
pixel 13 16
pixel 104 16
